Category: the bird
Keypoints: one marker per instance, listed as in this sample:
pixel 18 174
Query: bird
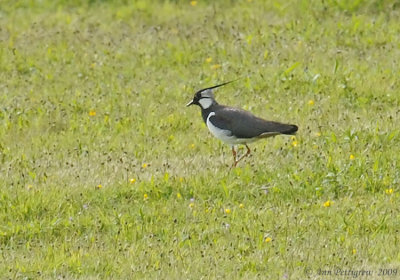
pixel 235 126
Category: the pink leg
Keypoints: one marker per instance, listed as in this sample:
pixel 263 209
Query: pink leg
pixel 234 157
pixel 245 155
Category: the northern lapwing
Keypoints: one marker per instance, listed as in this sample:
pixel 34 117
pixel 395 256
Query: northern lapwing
pixel 235 126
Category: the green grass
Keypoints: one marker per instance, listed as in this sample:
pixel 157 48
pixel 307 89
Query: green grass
pixel 331 67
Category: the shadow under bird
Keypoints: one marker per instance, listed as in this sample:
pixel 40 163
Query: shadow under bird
pixel 235 126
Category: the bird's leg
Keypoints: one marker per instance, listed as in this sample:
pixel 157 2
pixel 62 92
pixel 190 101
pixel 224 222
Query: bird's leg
pixel 248 150
pixel 245 155
pixel 234 157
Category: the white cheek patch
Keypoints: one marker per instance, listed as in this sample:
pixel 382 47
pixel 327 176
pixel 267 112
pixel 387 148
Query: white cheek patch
pixel 205 103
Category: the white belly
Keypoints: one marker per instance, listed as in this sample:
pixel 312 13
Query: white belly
pixel 225 135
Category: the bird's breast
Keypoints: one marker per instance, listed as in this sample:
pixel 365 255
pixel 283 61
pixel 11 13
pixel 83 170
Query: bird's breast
pixel 220 133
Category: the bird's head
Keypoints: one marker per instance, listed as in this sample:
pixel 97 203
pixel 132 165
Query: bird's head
pixel 205 97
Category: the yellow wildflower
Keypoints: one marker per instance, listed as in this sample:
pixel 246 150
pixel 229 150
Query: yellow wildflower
pixel 145 196
pixel 178 195
pixel 352 157
pixel 144 165
pixel 354 251
pixel 99 186
pixel 133 180
pixel 241 205
pixel 208 59
pixel 193 3
pixel 294 141
pixel 268 239
pixel 92 113
pixel 216 66
pixel 191 205
pixel 311 102
pixel 227 211
pixel 328 203
pixel 389 191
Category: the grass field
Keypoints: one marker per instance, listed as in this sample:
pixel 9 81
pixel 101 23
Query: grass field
pixel 105 174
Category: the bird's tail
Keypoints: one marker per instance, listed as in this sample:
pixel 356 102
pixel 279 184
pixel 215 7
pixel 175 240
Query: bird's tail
pixel 279 128
pixel 290 129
